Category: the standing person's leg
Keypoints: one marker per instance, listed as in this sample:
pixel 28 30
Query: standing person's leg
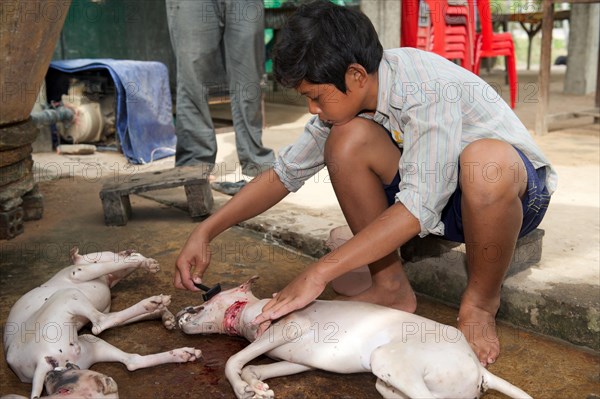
pixel 244 58
pixel 361 159
pixel 493 180
pixel 196 34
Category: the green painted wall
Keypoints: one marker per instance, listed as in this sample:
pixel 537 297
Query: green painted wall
pixel 121 29
pixel 138 30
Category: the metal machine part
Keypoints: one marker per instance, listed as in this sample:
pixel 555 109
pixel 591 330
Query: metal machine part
pixel 88 122
pixel 85 113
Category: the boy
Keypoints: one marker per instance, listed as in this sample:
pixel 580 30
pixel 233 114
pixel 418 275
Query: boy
pixel 414 145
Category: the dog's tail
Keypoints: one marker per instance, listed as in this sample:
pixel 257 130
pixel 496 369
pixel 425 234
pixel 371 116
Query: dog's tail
pixel 490 381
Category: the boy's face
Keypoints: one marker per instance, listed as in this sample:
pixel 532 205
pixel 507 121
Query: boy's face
pixel 330 104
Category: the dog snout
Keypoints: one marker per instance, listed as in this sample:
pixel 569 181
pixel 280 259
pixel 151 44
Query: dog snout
pixel 58 373
pixel 184 315
pixel 54 377
pixel 72 366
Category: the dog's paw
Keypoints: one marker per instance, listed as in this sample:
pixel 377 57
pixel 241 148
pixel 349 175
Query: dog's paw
pixel 156 302
pixel 139 260
pixel 168 320
pixel 151 265
pixel 132 257
pixel 261 390
pixel 183 355
pixel 242 390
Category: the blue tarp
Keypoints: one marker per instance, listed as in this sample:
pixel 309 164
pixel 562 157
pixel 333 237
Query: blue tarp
pixel 143 117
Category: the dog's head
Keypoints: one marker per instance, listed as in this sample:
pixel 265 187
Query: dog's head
pixel 71 382
pixel 217 315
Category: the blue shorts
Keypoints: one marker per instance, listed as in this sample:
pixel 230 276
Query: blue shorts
pixel 535 203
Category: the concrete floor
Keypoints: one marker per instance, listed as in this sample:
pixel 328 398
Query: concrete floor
pixel 73 216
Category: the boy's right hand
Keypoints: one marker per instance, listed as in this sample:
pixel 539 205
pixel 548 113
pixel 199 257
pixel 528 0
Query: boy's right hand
pixel 192 262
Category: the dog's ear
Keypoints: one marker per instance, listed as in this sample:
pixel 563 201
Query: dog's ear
pixel 74 254
pixel 247 286
pixel 106 385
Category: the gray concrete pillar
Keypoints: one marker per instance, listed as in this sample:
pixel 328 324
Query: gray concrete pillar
pixel 583 49
pixel 385 16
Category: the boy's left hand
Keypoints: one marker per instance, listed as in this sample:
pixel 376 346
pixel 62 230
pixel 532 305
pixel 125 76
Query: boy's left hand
pixel 304 289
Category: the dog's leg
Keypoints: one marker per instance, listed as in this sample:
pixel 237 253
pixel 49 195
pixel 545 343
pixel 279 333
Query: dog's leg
pixel 42 368
pixel 80 306
pixel 95 350
pixel 402 382
pixel 168 319
pixel 255 375
pixel 133 261
pixel 274 337
pixel 148 308
pixel 387 391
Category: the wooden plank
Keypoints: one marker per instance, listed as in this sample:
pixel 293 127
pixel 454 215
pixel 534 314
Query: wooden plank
pixel 597 102
pixel 592 112
pixel 530 17
pixel 562 116
pixel 541 126
pixel 115 195
pixel 559 117
pixel 542 119
pixel 199 199
pixel 169 178
pixel 117 208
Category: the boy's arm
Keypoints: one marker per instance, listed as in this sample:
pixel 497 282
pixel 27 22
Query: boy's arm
pixel 389 231
pixel 260 194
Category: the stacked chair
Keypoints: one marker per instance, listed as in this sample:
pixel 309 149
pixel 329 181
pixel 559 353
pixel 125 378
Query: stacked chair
pixel 490 44
pixel 447 28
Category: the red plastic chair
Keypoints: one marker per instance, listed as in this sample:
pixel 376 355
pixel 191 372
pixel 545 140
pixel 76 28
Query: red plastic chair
pixel 490 44
pixel 447 31
pixel 409 23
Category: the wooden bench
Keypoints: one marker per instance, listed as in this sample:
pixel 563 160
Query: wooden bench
pixel 194 179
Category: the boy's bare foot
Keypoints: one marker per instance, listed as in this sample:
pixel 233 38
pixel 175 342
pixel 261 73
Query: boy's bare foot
pixel 479 327
pixel 396 298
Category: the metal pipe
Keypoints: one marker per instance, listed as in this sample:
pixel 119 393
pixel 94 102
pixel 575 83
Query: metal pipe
pixel 50 116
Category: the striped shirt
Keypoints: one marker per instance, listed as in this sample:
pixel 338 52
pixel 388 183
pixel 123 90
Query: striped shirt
pixel 433 109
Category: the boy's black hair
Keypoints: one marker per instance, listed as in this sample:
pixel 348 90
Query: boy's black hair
pixel 320 40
